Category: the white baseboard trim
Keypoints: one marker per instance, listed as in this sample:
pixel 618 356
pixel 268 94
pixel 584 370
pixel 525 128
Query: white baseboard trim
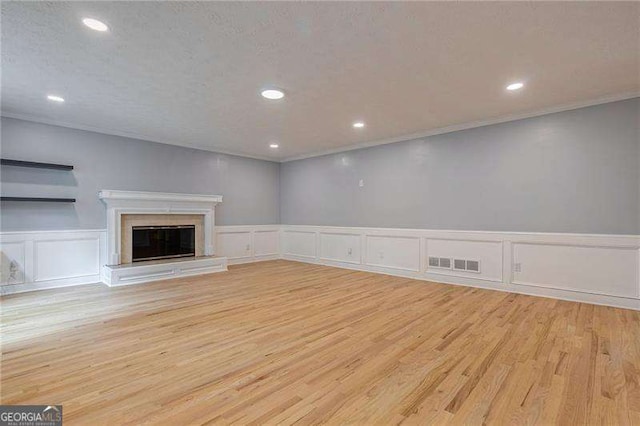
pixel 50 284
pixel 571 296
pixel 241 261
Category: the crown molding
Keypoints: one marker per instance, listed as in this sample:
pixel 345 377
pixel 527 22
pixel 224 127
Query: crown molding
pixel 403 138
pixel 469 125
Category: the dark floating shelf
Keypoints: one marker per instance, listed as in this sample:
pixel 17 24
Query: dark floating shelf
pixel 34 165
pixel 45 200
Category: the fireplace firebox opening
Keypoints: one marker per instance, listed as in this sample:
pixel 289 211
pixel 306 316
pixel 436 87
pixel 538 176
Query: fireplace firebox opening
pixel 163 242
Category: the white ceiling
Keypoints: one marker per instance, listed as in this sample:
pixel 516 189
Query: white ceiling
pixel 189 73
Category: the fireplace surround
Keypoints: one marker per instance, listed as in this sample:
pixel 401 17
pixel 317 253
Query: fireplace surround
pixel 129 209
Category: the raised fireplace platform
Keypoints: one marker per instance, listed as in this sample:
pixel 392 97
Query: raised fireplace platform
pixel 154 270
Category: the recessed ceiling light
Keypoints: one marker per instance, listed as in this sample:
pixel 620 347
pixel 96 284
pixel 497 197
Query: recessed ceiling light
pixel 358 124
pixel 55 98
pixel 272 94
pixel 273 145
pixel 95 25
pixel 515 86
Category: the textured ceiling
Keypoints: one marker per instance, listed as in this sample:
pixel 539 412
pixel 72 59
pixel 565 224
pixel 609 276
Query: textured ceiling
pixel 189 73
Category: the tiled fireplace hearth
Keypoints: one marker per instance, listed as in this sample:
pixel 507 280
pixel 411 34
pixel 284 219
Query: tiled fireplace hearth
pixel 129 209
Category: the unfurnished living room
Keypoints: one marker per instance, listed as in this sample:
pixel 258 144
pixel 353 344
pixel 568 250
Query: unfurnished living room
pixel 353 213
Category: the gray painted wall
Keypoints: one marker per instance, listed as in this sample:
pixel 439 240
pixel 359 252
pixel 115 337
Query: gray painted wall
pixel 575 171
pixel 250 187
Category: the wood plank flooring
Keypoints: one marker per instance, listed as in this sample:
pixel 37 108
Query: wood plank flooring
pixel 283 342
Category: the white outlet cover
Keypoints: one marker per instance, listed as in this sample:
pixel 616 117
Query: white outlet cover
pixel 361 183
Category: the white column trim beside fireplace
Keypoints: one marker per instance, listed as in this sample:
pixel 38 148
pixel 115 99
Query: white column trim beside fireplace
pixel 139 202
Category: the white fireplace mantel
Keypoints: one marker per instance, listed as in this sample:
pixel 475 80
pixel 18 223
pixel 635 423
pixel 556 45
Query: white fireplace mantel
pixel 137 202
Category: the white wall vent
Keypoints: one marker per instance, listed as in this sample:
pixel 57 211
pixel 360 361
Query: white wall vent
pixel 473 266
pixel 466 265
pixel 439 262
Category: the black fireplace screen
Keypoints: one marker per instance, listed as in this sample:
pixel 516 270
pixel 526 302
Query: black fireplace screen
pixel 163 242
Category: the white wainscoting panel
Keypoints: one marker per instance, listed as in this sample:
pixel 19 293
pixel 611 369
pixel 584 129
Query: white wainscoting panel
pixel 394 252
pixel 234 244
pixel 488 253
pixel 340 247
pixel 599 270
pixel 66 258
pixel 300 244
pixel 49 259
pixel 251 243
pixel 266 243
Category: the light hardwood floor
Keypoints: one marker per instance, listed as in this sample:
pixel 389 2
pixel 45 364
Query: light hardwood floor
pixel 285 342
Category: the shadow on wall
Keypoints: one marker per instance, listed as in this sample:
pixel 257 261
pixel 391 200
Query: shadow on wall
pixel 38 183
pixel 19 175
pixel 37 215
